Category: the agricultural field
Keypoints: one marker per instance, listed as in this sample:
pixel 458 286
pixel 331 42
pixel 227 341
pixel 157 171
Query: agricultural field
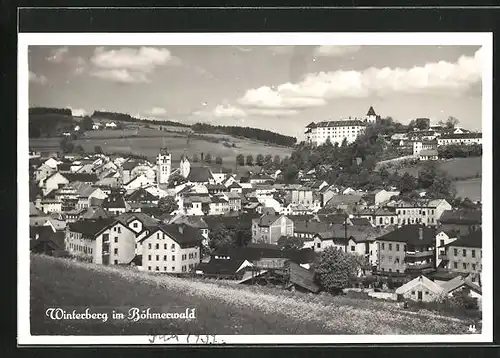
pixel 148 142
pixel 221 308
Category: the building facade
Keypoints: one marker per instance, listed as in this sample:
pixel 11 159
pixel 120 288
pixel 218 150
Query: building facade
pixel 164 166
pixel 270 227
pixel 335 131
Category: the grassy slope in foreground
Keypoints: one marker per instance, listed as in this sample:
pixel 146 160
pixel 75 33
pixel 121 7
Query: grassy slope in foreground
pixel 220 308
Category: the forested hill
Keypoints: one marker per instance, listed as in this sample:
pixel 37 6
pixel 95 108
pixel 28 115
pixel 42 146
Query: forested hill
pixel 123 117
pixel 246 132
pixel 47 110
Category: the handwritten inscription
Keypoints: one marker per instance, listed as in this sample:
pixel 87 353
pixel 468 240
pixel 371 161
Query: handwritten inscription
pixel 190 339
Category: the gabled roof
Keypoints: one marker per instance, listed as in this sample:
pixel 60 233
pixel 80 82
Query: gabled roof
pixel 221 266
pixel 199 175
pixel 267 219
pixel 182 234
pixel 461 217
pixel 472 239
pixel 371 112
pixel 141 194
pixel 410 234
pixel 34 211
pixel 234 185
pixel 114 202
pixel 55 239
pixel 127 218
pixel 83 177
pixel 360 222
pixel 254 252
pixel 90 228
pixel 95 212
pixel 458 282
pixel 193 221
pixel 432 286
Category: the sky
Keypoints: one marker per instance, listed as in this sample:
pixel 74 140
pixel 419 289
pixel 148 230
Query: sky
pixel 279 88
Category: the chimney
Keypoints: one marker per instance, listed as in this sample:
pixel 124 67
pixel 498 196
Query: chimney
pixel 420 233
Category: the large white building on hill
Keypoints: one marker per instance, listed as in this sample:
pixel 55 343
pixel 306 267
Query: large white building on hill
pixel 337 131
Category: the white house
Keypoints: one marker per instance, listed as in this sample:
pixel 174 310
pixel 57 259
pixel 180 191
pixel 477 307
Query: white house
pixel 111 125
pixel 420 289
pixel 140 181
pixel 171 249
pixel 443 238
pixel 53 182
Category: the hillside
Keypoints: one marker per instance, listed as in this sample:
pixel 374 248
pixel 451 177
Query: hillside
pixel 221 308
pixel 50 124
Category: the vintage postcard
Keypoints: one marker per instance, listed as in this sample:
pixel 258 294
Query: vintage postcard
pixel 236 188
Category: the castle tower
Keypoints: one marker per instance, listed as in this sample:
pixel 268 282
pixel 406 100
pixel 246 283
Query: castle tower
pixel 184 166
pixel 371 116
pixel 164 166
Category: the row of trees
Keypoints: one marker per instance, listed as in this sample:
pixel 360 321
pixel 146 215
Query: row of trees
pixel 267 161
pixel 247 132
pixel 206 158
pixel 49 110
pixel 123 117
pixel 460 151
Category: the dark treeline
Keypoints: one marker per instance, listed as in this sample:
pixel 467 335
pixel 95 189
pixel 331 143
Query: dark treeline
pixel 460 151
pixel 115 116
pixel 247 132
pixel 47 110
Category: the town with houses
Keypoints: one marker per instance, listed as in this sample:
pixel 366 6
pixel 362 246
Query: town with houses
pixel 160 218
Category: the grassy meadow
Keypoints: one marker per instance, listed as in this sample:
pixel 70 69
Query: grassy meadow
pixel 221 308
pixel 147 142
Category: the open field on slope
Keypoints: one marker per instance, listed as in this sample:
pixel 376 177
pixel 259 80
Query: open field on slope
pixel 220 308
pixel 148 142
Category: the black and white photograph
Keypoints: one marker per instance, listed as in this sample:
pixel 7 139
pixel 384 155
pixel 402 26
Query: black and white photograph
pixel 255 188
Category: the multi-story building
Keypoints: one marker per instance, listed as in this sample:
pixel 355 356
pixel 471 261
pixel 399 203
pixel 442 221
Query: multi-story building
pixel 103 241
pixel 464 254
pixel 270 227
pixel 380 217
pixel 461 138
pixel 423 211
pixel 420 145
pixel 335 131
pixel 172 248
pixel 408 250
pixel 443 238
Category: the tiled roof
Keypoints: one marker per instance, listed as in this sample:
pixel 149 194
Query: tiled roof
pixel 126 218
pixel 220 266
pixel 346 123
pixel 463 217
pixel 472 239
pixel 267 220
pixel 410 234
pixel 199 175
pixel 82 177
pixel 182 234
pixel 254 252
pixel 89 228
pixel 141 194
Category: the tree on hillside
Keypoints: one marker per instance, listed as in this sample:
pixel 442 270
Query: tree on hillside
pixel 218 160
pixel 268 160
pixel 450 123
pixel 290 174
pixel 195 158
pixel 87 123
pixel 97 149
pixel 175 180
pixel 167 204
pixel 408 183
pixel 259 160
pixel 208 158
pixel 277 161
pixel 249 160
pixel 240 159
pixel 66 146
pixel 333 270
pixel 290 243
pixel 220 238
pixel 427 174
pixel 79 150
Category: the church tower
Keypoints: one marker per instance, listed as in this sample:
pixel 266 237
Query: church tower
pixel 184 166
pixel 371 116
pixel 164 166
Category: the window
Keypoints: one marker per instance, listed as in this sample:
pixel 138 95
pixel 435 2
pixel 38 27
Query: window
pixel 353 248
pixel 426 292
pixel 441 243
pixel 392 220
pixel 149 268
pixel 455 265
pixel 464 253
pixel 397 271
pixel 135 225
pixel 397 247
pixel 390 247
pixel 116 251
pixel 455 252
pixel 383 246
pixel 149 246
pixel 164 246
pixel 119 229
pixel 157 246
pixel 116 262
pixel 474 267
pixel 183 268
pixel 390 258
pixel 173 257
pixel 164 268
pixel 464 265
pixel 390 270
pixel 412 292
pixel 157 257
pixel 157 268
pixel 164 257
pixel 382 258
pixel 172 247
pixel 149 257
pixel 473 252
pixel 116 239
pixel 105 237
pixel 318 245
pixel 195 254
pixel 173 268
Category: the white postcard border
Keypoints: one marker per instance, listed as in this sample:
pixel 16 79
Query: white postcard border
pixel 173 39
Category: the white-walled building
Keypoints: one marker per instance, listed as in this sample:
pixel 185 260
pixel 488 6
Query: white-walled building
pixel 461 138
pixel 336 131
pixel 164 166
